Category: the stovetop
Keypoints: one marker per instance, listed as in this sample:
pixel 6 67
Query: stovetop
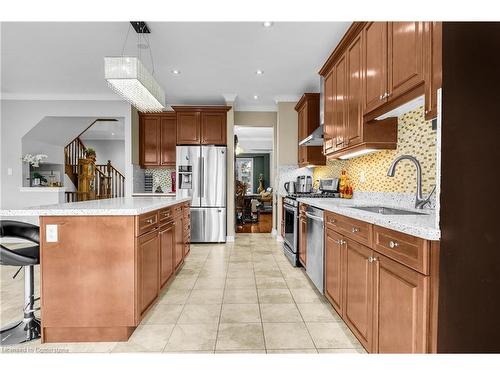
pixel 323 194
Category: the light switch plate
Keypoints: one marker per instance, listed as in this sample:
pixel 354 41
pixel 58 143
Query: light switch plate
pixel 51 232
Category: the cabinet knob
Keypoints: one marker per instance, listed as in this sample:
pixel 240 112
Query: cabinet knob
pixel 149 221
pixel 393 244
pixel 331 221
pixel 355 229
pixel 372 259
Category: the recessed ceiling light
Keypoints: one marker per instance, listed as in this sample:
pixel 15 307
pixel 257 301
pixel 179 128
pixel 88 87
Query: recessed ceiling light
pixel 267 24
pixel 259 72
pixel 176 72
pixel 256 97
pixel 112 133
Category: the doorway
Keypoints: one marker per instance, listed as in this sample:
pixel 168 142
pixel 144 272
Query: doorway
pixel 253 181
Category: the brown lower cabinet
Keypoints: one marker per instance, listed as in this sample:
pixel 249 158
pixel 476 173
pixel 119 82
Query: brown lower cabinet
pixel 167 246
pixel 385 302
pixel 148 257
pixel 104 272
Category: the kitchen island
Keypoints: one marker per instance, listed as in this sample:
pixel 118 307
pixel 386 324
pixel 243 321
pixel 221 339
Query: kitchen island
pixel 104 262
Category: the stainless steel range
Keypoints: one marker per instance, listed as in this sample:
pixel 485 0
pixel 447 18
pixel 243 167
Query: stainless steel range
pixel 328 188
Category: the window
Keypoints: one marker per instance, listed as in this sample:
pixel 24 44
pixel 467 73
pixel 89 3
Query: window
pixel 244 172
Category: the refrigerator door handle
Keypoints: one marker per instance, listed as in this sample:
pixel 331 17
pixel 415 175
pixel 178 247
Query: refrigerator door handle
pixel 202 178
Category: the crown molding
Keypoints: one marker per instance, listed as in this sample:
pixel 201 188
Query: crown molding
pixel 286 98
pixel 229 98
pixel 68 97
pixel 256 108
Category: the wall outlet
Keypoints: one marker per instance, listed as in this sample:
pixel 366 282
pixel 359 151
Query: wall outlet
pixel 362 177
pixel 51 232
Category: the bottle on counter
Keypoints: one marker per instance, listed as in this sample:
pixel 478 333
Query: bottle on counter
pixel 342 183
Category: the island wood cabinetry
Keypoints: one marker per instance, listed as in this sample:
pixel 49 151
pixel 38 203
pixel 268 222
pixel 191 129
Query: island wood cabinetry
pixel 308 120
pixel 104 272
pixel 157 139
pixel 382 283
pixel 377 67
pixel 206 125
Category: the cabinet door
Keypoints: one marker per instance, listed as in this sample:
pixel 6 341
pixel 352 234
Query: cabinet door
pixel 303 241
pixel 334 259
pixel 302 133
pixel 432 66
pixel 213 128
pixel 358 308
pixel 167 248
pixel 405 57
pixel 148 259
pixel 339 105
pixel 168 140
pixel 375 65
pixel 150 140
pixel 188 128
pixel 328 113
pixel 179 241
pixel 354 114
pixel 400 305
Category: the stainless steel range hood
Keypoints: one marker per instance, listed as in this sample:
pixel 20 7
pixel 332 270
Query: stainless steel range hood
pixel 316 137
pixel 313 139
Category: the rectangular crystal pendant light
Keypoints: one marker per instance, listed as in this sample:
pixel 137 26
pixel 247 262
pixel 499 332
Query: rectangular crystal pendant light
pixel 131 80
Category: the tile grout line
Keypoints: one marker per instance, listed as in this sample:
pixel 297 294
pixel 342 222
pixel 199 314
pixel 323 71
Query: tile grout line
pixel 300 313
pixel 185 303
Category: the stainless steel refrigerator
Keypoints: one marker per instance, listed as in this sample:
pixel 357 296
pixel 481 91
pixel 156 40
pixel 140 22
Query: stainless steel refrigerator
pixel 201 175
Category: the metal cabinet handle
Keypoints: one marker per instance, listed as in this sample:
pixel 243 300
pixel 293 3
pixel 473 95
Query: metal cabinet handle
pixel 372 259
pixel 149 221
pixel 331 221
pixel 355 229
pixel 340 242
pixel 393 244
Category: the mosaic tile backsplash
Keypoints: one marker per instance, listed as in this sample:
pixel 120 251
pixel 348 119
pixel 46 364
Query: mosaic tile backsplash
pixel 161 177
pixel 369 172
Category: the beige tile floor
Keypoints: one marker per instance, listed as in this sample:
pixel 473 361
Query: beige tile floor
pixel 241 297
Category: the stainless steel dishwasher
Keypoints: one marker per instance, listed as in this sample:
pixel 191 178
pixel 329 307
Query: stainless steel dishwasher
pixel 315 247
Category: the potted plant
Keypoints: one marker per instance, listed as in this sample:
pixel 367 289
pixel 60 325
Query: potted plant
pixel 90 153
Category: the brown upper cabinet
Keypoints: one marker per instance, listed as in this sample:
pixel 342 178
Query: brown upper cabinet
pixel 308 120
pixel 377 67
pixel 206 125
pixel 157 139
pixel 432 66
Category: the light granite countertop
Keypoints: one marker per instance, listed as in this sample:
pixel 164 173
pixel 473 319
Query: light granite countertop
pixel 423 226
pixel 124 206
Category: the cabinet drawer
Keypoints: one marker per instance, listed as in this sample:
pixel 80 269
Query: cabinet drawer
pixel 177 210
pixel 408 250
pixel 185 205
pixel 355 229
pixel 147 222
pixel 165 214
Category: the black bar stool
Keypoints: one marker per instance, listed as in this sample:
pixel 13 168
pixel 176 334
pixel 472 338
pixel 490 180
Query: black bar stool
pixel 27 257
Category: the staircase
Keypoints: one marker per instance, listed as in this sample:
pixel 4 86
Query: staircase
pixel 108 182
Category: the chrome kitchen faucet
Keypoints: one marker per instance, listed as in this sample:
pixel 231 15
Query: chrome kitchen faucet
pixel 420 202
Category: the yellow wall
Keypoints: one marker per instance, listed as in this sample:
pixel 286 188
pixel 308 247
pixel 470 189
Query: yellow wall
pixel 415 137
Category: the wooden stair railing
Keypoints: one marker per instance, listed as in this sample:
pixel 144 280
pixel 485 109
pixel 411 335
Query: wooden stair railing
pixel 115 185
pixel 109 182
pixel 72 152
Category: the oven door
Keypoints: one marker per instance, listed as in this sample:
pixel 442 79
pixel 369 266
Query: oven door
pixel 291 223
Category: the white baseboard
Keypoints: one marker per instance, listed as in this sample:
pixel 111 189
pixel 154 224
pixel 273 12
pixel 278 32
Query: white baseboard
pixel 274 232
pixel 279 238
pixel 229 238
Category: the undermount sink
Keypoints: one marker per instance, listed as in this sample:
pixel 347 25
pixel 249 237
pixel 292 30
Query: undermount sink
pixel 388 210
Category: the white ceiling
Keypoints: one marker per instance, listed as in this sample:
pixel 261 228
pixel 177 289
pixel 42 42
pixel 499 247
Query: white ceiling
pixel 105 130
pixel 216 59
pixel 254 139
